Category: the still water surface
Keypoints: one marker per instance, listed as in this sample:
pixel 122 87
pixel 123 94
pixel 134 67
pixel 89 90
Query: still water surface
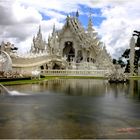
pixel 74 108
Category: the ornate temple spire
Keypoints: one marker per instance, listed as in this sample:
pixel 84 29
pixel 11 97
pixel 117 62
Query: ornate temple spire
pixel 39 31
pixel 38 42
pixel 53 30
pixel 77 14
pixel 90 23
pixel 67 20
pixel 39 34
pixel 48 37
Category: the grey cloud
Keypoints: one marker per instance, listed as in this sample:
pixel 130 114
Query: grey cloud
pixel 6 15
pixel 11 27
pixel 31 20
pixel 20 32
pixel 118 52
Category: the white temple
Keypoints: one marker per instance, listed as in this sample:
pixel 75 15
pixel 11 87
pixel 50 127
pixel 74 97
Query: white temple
pixel 71 48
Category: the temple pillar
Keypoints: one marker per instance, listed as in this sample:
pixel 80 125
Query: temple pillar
pixel 84 55
pixel 76 55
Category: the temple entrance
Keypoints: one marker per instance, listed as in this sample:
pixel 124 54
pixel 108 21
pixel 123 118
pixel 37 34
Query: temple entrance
pixel 69 51
pixel 42 67
pixel 56 66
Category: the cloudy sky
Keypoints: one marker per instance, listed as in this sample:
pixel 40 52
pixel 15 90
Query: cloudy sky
pixel 114 20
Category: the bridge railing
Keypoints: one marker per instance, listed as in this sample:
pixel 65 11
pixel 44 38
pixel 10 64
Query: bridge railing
pixel 101 73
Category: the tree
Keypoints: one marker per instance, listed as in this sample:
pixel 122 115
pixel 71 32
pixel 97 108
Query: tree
pixel 114 61
pixel 126 53
pixel 127 69
pixel 136 59
pixel 137 33
pixel 121 62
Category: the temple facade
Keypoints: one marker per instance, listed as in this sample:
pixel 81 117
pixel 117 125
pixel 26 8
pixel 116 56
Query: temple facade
pixel 71 48
pixel 74 44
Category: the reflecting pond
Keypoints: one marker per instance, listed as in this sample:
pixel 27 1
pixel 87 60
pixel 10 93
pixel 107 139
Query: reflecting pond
pixel 71 108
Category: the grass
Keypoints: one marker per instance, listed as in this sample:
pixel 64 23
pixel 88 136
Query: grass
pixel 17 82
pixel 23 81
pixel 32 81
pixel 134 77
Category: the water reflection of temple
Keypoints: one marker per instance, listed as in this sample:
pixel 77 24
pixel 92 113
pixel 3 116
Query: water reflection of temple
pixel 93 87
pixel 82 86
pixel 134 88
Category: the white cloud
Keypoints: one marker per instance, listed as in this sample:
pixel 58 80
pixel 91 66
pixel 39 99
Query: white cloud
pixel 19 20
pixel 25 15
pixel 121 21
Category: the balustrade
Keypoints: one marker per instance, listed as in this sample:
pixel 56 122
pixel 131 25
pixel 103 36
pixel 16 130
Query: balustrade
pixel 75 72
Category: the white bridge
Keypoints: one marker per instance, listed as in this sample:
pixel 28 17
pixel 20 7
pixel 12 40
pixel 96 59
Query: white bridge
pixel 100 73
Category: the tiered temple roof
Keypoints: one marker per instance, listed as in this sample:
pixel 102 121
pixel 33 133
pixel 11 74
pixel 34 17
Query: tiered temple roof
pixel 87 39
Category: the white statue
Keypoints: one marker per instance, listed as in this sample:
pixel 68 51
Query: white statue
pixel 132 55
